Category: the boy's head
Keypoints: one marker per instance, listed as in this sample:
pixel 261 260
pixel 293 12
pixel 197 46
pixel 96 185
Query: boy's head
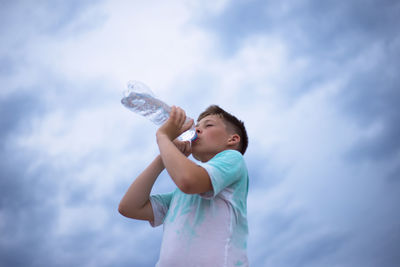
pixel 218 130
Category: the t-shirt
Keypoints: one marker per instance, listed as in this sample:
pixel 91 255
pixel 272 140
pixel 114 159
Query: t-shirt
pixel 208 229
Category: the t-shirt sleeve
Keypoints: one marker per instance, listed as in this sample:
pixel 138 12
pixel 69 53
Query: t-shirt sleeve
pixel 224 169
pixel 160 204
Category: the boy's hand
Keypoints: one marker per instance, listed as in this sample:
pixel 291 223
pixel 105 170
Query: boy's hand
pixel 175 125
pixel 184 147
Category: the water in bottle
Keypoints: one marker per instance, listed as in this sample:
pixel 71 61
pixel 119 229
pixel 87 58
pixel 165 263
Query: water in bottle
pixel 140 99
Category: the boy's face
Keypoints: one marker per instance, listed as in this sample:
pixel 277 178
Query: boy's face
pixel 212 138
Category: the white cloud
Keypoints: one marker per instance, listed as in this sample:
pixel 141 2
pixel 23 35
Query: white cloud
pixel 207 7
pixel 150 42
pixel 82 218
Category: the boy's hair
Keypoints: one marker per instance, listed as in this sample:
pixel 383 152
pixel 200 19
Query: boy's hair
pixel 230 120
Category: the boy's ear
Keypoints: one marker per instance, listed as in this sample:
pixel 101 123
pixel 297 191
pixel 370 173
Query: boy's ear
pixel 234 139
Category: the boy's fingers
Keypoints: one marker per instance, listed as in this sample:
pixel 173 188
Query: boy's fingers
pixel 188 147
pixel 177 115
pixel 181 116
pixel 182 146
pixel 177 123
pixel 173 113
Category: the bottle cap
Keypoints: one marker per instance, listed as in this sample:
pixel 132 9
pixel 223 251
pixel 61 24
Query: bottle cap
pixel 190 135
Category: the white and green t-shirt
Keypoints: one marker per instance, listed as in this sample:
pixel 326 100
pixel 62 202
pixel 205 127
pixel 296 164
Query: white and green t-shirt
pixel 207 229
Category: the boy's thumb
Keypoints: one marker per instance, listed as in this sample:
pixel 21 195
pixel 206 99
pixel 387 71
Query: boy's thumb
pixel 187 125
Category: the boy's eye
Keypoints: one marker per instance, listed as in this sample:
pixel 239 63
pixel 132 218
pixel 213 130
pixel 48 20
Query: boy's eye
pixel 208 125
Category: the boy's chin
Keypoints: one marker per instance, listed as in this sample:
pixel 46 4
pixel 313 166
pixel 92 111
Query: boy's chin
pixel 197 156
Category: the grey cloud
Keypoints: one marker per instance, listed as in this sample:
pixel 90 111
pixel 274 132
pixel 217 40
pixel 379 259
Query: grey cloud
pixel 331 35
pixel 7 65
pixel 291 239
pixel 317 251
pixel 328 33
pixel 26 19
pixel 26 214
pixel 16 109
pixel 263 173
pixel 394 175
pixel 372 98
pixel 312 26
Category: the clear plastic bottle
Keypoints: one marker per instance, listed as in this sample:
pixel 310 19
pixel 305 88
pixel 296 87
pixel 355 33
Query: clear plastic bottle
pixel 140 99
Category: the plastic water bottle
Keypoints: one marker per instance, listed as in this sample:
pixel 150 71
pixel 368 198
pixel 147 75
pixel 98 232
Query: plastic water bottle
pixel 140 99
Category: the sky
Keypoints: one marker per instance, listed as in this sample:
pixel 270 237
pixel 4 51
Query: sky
pixel 316 82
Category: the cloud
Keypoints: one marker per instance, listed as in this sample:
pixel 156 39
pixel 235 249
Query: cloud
pixel 316 84
pixel 371 99
pixel 307 25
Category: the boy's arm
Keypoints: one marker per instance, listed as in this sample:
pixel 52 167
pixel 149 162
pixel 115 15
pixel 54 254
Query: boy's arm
pixel 136 202
pixel 188 176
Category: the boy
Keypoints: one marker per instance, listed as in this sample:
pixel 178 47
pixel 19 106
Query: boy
pixel 204 219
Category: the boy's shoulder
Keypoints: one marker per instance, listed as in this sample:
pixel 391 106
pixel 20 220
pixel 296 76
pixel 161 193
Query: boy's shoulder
pixel 226 158
pixel 228 153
